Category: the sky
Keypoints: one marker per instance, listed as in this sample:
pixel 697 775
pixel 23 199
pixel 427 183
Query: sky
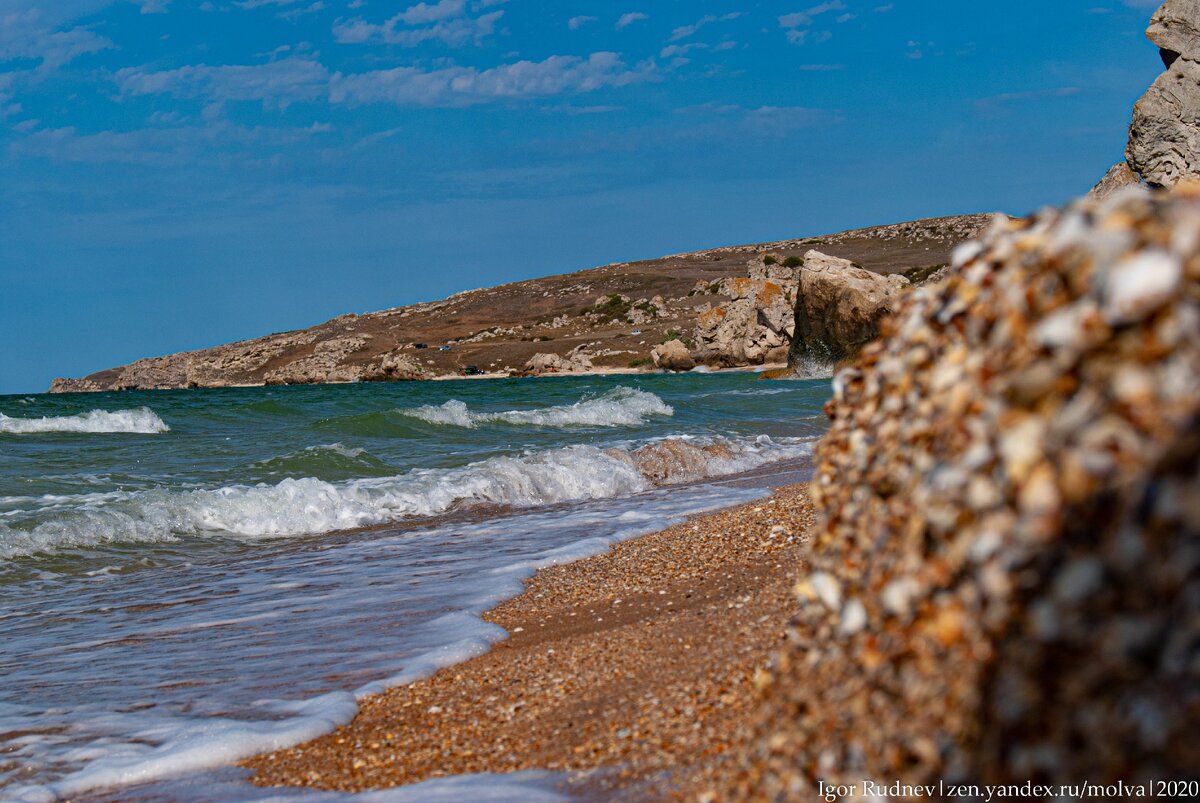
pixel 177 174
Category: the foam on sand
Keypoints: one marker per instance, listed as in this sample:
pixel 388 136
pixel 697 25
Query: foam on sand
pixel 142 421
pixel 619 407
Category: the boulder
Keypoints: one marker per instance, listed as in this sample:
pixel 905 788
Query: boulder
pixel 673 356
pixel 839 307
pixel 1164 138
pixel 394 367
pixel 1003 584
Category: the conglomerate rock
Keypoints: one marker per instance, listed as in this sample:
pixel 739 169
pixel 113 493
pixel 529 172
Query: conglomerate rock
pixel 839 307
pixel 1006 583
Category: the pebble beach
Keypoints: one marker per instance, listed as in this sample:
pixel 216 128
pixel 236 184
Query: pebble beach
pixel 635 669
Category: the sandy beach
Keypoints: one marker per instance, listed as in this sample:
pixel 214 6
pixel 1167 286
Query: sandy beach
pixel 640 663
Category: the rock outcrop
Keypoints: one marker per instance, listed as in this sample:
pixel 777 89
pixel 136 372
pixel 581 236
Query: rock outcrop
pixel 1004 586
pixel 1164 138
pixel 1119 176
pixel 839 307
pixel 757 319
pixel 673 356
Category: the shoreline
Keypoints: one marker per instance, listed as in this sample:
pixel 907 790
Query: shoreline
pixel 636 667
pixel 601 371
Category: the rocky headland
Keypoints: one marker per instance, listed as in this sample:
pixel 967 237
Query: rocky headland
pixel 726 307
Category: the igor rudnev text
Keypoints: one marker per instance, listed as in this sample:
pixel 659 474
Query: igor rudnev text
pixel 942 789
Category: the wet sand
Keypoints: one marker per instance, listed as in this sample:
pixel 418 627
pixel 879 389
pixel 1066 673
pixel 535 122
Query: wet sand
pixel 640 665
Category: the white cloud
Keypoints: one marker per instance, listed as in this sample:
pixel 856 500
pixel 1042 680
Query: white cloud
pixel 684 31
pixel 261 3
pixel 628 19
pixel 29 34
pixel 884 8
pixel 423 13
pixel 799 18
pixel 276 84
pixel 680 50
pixel 455 32
pixel 153 6
pixel 461 86
pixel 575 23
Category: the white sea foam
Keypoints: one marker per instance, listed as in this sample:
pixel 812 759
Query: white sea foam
pixel 308 505
pixel 619 407
pixel 143 421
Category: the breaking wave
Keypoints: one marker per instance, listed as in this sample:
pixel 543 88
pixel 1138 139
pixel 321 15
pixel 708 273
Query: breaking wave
pixel 143 421
pixel 309 506
pixel 619 407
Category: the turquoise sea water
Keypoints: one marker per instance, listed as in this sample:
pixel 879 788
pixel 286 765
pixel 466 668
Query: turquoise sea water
pixel 189 577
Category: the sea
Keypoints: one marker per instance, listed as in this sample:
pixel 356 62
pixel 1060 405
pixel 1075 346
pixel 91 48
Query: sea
pixel 192 577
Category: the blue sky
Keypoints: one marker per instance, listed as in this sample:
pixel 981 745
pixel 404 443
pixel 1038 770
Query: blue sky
pixel 176 174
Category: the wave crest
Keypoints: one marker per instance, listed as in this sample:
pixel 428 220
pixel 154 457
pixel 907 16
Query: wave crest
pixel 142 420
pixel 309 506
pixel 619 407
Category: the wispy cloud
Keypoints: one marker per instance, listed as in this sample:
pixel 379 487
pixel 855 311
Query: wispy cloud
pixel 995 104
pixel 276 84
pixel 423 13
pixel 799 18
pixel 625 20
pixel 462 86
pixel 684 31
pixel 575 23
pixel 30 34
pixel 679 50
pixel 161 147
pixel 445 22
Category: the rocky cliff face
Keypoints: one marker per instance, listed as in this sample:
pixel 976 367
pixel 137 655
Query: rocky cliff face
pixel 1164 139
pixel 1004 586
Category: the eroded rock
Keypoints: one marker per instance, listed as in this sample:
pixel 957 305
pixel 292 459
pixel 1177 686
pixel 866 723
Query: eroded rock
pixel 839 307
pixel 1164 138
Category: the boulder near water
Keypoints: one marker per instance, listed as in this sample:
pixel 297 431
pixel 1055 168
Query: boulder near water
pixel 838 310
pixel 673 356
